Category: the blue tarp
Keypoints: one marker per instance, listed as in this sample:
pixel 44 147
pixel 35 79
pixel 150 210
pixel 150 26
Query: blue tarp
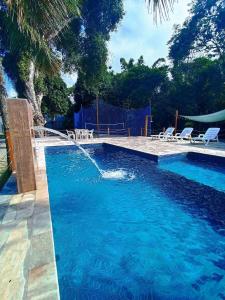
pixel 109 114
pixel 56 123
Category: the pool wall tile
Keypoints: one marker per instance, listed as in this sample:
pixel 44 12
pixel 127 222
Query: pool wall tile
pixel 152 157
pixel 194 156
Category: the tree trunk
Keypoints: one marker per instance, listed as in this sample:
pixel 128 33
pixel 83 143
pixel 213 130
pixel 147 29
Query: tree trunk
pixel 34 98
pixel 5 120
pixel 3 95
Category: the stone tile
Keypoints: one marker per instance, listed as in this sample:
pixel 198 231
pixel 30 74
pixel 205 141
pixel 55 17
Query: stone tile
pixel 25 213
pixel 3 209
pixel 42 283
pixel 12 289
pixel 41 250
pixel 4 233
pixel 10 215
pixel 41 223
pixel 16 199
pixel 5 199
pixel 41 206
pixel 12 259
pixel 18 237
pixel 29 197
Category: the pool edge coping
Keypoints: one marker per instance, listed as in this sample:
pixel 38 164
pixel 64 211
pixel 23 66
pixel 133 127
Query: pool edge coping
pixel 27 225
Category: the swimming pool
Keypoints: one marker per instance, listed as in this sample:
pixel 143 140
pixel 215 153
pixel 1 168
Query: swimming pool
pixel 158 236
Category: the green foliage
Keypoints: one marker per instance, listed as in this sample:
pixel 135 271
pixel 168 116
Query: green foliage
pixel 17 68
pixel 56 100
pixel 101 16
pixel 17 71
pixel 23 66
pixel 136 85
pixel 93 64
pixel 83 43
pixel 196 87
pixel 40 84
pixel 203 32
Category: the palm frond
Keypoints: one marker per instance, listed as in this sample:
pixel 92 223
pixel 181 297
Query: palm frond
pixel 31 24
pixel 39 13
pixel 40 51
pixel 161 8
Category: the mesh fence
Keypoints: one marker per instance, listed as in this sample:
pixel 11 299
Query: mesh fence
pixel 107 119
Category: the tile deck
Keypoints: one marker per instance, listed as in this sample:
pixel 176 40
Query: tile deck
pixel 27 259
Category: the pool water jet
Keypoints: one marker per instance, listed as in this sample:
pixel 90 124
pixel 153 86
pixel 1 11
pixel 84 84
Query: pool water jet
pixel 113 174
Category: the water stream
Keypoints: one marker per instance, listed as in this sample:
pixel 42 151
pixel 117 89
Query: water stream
pixel 113 174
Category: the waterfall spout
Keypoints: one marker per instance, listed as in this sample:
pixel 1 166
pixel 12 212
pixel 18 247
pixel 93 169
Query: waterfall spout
pixel 113 174
pixel 56 132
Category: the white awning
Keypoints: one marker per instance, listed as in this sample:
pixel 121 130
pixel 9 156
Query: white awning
pixel 215 117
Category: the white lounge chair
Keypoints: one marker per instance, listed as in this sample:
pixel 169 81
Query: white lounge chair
pixel 211 135
pixel 184 135
pixel 164 135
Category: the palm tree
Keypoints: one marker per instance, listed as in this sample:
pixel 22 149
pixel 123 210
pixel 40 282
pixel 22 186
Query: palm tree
pixel 32 25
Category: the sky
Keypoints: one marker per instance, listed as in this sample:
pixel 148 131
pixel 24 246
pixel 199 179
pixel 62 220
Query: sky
pixel 136 35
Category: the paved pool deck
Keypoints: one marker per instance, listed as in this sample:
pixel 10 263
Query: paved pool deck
pixel 163 148
pixel 27 258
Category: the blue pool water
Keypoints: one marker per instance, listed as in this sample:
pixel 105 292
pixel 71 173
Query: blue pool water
pixel 198 171
pixel 158 236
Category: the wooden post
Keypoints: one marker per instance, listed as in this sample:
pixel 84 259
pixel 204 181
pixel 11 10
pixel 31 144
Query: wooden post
pixel 176 121
pixel 146 126
pixel 108 132
pixel 97 113
pixel 20 122
pixel 10 149
pixel 128 132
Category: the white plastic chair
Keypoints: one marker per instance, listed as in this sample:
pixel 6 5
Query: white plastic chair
pixel 84 133
pixel 70 134
pixel 91 134
pixel 211 135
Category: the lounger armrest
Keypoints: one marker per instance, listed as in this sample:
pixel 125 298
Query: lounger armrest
pixel 177 134
pixel 161 133
pixel 201 135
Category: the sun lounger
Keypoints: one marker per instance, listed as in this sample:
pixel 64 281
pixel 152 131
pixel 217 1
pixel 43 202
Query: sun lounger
pixel 211 135
pixel 184 135
pixel 164 135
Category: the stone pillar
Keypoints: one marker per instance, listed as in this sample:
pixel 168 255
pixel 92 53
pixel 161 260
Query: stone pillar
pixel 20 122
